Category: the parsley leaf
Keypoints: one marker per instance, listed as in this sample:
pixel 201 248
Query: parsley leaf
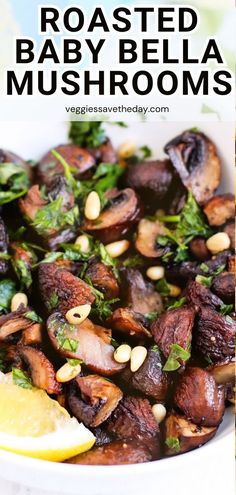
pixel 32 315
pixel 163 287
pixel 87 134
pixel 74 362
pixel 176 353
pixel 14 182
pixel 50 218
pixel 7 291
pixel 201 279
pixel 225 309
pixel 21 378
pixel 133 261
pixel 173 443
pixel 177 304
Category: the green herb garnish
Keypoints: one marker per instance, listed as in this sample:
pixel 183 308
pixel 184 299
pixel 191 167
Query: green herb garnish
pixel 14 182
pixel 225 309
pixel 87 134
pixel 163 287
pixel 173 444
pixel 177 304
pixel 21 378
pixel 133 261
pixel 207 281
pixel 74 362
pixel 51 218
pixel 176 353
pixel 7 291
pixel 32 315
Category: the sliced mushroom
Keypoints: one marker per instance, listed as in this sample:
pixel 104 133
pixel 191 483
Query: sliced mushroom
pixel 199 249
pixel 230 230
pixel 32 335
pixel 151 178
pixel 174 327
pixel 181 435
pixel 129 322
pixel 150 380
pixel 223 372
pixel 41 370
pixel 59 188
pixel 92 399
pixel 61 289
pixel 79 159
pixel 140 294
pixel 224 287
pixel 133 418
pixel 91 344
pixel 199 397
pixel 103 279
pixel 215 334
pixel 220 209
pixel 104 153
pixel 179 273
pixel 32 203
pixel 116 219
pixel 3 247
pixel 195 158
pixel 13 322
pixel 231 264
pixel 115 453
pixel 146 241
pixel 199 295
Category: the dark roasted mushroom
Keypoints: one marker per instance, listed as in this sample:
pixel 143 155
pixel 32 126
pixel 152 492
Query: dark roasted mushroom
pixel 32 203
pixel 103 279
pixel 215 335
pixel 22 260
pixel 3 247
pixel 41 370
pixel 61 289
pixel 220 209
pixel 133 418
pixel 14 322
pixel 140 294
pixel 105 153
pixel 198 295
pixel 32 335
pixel 181 435
pixel 116 219
pixel 224 286
pixel 150 379
pixel 199 397
pixel 88 342
pixel 174 327
pixel 199 249
pixel 190 269
pixel 223 372
pixel 92 399
pixel 231 264
pixel 229 229
pixel 129 322
pixel 146 239
pixel 115 453
pixel 152 179
pixel 195 158
pixel 78 158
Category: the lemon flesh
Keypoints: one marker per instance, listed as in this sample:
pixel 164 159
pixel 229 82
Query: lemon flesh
pixel 34 425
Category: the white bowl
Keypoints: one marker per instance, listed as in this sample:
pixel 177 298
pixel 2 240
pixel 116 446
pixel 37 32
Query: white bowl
pixel 205 470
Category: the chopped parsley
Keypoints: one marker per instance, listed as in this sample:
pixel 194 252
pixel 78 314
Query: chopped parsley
pixel 133 261
pixel 87 134
pixel 177 353
pixel 32 315
pixel 23 272
pixel 225 309
pixel 21 378
pixel 173 443
pixel 51 218
pixel 65 342
pixel 177 304
pixel 14 182
pixel 74 362
pixel 201 279
pixel 101 307
pixel 7 291
pixel 151 316
pixel 53 301
pixel 163 287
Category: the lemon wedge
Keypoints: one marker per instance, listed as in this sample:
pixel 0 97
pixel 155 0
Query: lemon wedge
pixel 34 425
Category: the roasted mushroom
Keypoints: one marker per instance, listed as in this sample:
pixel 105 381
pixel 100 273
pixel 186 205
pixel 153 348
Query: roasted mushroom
pixel 79 159
pixel 223 372
pixel 150 379
pixel 61 289
pixel 127 321
pixel 199 398
pixel 181 435
pixel 224 286
pixel 220 209
pixel 147 238
pixel 199 295
pixel 92 399
pixel 41 370
pixel 199 249
pixel 88 342
pixel 152 179
pixel 115 453
pixel 117 218
pixel 215 335
pixel 32 335
pixel 133 418
pixel 195 158
pixel 23 258
pixel 229 229
pixel 103 279
pixel 14 322
pixel 3 247
pixel 105 153
pixel 140 294
pixel 174 327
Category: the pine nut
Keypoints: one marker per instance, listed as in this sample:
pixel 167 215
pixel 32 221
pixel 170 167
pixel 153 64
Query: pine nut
pixel 155 272
pixel 122 353
pixel 67 372
pixel 117 248
pixel 18 299
pixel 138 356
pixel 175 291
pixel 159 412
pixel 218 242
pixel 83 242
pixel 92 206
pixel 78 314
pixel 127 149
